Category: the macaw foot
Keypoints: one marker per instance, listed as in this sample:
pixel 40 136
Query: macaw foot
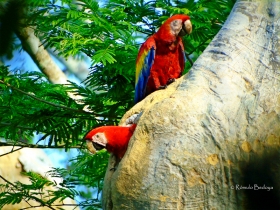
pixel 169 81
pixel 162 87
pixel 133 119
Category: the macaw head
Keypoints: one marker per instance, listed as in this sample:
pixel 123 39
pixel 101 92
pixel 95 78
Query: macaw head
pixel 177 25
pixel 113 138
pixel 96 139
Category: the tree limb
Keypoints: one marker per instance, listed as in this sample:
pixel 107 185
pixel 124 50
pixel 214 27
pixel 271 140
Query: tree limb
pixel 43 101
pixel 32 45
pixel 10 183
pixel 13 150
pixel 36 146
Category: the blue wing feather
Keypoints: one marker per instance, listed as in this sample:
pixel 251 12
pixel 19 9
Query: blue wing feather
pixel 144 69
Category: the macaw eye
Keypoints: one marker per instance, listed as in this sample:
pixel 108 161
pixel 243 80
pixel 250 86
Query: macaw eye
pixel 176 27
pixel 175 23
pixel 97 136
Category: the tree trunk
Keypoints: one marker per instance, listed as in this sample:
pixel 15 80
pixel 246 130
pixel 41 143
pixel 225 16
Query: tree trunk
pixel 32 45
pixel 214 132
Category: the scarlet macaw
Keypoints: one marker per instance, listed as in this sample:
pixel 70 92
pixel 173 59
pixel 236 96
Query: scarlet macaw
pixel 161 58
pixel 114 138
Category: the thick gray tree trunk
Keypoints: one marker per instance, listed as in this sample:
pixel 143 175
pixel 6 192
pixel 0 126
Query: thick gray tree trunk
pixel 213 132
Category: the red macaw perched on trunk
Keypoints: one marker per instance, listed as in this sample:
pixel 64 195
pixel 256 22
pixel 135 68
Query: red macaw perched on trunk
pixel 161 59
pixel 114 138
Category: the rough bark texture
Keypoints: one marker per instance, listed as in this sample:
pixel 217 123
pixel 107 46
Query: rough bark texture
pixel 214 130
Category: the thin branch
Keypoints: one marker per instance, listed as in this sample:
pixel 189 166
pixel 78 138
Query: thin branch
pixel 18 126
pixel 39 201
pixel 10 183
pixel 32 197
pixel 41 100
pixel 53 104
pixel 189 59
pixel 38 146
pixel 13 150
pixel 50 206
pixel 60 205
pixel 38 206
pixel 42 204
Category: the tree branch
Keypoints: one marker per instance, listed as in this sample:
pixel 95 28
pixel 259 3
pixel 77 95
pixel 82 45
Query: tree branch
pixel 18 126
pixel 84 111
pixel 10 183
pixel 44 101
pixel 59 205
pixel 13 150
pixel 32 45
pixel 189 59
pixel 37 146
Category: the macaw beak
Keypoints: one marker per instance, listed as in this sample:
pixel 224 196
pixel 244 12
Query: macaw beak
pixel 186 28
pixel 91 147
pixel 98 141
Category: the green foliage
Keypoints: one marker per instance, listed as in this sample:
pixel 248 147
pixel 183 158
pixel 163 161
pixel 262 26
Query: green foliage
pixel 110 33
pixel 48 193
pixel 15 193
pixel 86 170
pixel 31 104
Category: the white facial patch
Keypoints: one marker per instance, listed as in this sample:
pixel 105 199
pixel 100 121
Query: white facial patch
pixel 100 138
pixel 176 26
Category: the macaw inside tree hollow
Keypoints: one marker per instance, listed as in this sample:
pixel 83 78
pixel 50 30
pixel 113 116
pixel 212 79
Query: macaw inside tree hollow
pixel 113 138
pixel 161 58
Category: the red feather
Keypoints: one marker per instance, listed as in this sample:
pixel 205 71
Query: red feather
pixel 117 138
pixel 160 59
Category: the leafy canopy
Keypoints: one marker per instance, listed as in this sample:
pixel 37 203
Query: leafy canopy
pixel 109 33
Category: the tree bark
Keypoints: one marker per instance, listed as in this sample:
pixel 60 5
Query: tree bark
pixel 32 45
pixel 78 67
pixel 215 131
